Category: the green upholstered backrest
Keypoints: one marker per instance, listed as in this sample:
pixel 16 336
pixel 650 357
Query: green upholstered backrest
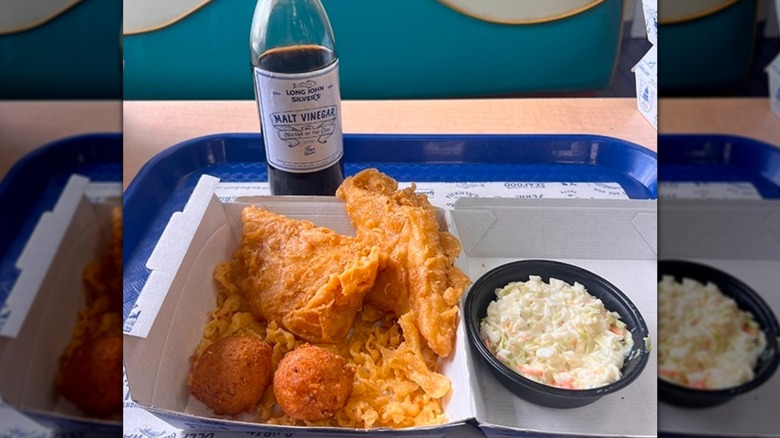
pixel 74 55
pixel 387 49
pixel 709 52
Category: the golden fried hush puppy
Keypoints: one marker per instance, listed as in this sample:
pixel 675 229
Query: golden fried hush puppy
pixel 312 383
pixel 232 374
pixel 91 378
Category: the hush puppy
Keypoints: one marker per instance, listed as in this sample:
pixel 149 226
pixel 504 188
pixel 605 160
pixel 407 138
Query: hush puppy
pixel 232 374
pixel 91 378
pixel 312 383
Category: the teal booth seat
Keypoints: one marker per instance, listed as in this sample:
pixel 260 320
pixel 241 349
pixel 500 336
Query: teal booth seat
pixel 709 53
pixel 387 49
pixel 74 55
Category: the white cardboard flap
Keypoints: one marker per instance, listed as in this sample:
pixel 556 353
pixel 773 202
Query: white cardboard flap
pixel 30 361
pixel 730 229
pixel 168 255
pixel 650 12
pixel 562 228
pixel 646 85
pixel 38 254
pixel 14 423
pixel 158 362
pixel 773 70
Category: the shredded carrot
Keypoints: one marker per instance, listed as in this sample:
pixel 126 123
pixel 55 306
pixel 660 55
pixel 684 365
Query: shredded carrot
pixel 525 369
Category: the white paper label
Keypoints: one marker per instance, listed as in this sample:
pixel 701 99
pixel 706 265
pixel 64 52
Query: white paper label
pixel 301 118
pixel 98 192
pixel 707 190
pixel 444 194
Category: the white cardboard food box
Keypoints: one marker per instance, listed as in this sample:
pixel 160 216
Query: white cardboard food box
pixel 613 238
pixel 646 75
pixel 777 11
pixel 773 70
pixel 741 238
pixel 13 423
pixel 650 10
pixel 43 306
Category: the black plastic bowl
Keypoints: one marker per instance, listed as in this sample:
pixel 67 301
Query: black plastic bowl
pixel 482 292
pixel 746 299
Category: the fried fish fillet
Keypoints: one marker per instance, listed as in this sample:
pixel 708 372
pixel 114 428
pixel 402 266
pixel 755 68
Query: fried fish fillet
pixel 308 279
pixel 419 274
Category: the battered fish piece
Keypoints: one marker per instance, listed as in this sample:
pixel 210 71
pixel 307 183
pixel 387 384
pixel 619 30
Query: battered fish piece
pixel 91 377
pixel 308 279
pixel 231 376
pixel 312 383
pixel 420 274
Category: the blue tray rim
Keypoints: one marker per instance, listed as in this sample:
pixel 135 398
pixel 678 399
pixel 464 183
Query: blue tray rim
pixel 134 197
pixel 734 137
pixel 21 165
pixel 149 165
pixel 759 163
pixel 21 170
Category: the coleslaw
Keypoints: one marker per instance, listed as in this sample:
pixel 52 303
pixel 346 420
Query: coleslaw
pixel 556 334
pixel 705 340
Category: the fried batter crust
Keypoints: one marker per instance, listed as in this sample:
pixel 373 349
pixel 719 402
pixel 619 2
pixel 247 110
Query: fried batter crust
pixel 419 274
pixel 308 279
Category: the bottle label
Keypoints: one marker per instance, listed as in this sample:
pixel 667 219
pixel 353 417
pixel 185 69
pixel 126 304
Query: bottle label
pixel 301 118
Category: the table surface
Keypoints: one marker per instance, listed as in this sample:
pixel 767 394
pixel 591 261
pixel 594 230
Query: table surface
pixel 27 125
pixel 738 116
pixel 150 126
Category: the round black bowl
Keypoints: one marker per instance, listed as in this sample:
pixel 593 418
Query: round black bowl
pixel 746 299
pixel 482 292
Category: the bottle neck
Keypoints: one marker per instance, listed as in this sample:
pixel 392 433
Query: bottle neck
pixel 302 58
pixel 290 23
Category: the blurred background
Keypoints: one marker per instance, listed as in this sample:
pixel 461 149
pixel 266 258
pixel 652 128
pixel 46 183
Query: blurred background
pixel 60 167
pixel 196 49
pixel 719 185
pixel 720 48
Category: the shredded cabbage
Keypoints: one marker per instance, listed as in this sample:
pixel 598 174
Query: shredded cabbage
pixel 556 334
pixel 704 340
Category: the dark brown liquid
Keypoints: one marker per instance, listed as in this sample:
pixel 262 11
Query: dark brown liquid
pixel 301 59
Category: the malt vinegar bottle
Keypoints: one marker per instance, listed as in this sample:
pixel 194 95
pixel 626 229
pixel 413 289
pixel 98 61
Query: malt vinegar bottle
pixel 296 80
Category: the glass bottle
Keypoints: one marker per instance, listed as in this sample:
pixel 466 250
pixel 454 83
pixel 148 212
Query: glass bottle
pixel 296 80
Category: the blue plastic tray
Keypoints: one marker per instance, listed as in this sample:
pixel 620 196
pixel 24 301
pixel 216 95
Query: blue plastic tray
pixel 35 182
pixel 719 158
pixel 165 183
